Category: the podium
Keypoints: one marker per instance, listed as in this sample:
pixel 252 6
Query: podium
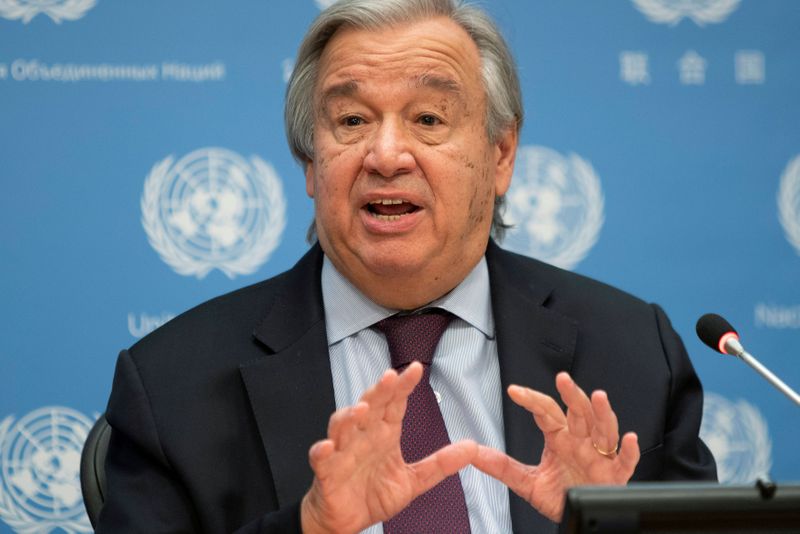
pixel 669 508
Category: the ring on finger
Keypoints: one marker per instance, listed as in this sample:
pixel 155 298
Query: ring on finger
pixel 607 453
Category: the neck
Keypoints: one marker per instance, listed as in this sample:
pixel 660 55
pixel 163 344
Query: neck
pixel 407 291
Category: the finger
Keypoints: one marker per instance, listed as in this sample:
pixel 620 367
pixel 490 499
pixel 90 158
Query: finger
pixel 382 390
pixel 345 424
pixel 441 464
pixel 337 422
pixel 409 379
pixel 318 455
pixel 579 409
pixel 380 394
pixel 406 382
pixel 605 433
pixel 504 468
pixel 328 466
pixel 628 456
pixel 546 411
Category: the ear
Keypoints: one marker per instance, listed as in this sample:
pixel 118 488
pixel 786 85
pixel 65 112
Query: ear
pixel 310 178
pixel 505 153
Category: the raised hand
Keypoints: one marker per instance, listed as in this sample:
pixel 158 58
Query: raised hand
pixel 580 447
pixel 360 475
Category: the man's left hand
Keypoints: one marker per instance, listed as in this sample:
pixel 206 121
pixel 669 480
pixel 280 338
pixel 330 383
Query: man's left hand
pixel 580 447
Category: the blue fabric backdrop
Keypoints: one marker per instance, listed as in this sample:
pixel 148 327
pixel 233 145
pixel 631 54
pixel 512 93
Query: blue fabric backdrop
pixel 144 170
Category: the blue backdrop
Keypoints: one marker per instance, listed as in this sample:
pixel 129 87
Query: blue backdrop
pixel 144 170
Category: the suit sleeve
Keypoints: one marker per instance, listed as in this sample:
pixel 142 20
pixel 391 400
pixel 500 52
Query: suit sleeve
pixel 685 456
pixel 144 494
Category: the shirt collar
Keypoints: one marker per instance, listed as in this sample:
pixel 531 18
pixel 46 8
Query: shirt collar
pixel 348 310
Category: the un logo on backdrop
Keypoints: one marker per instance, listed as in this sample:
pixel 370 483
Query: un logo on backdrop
pixel 555 205
pixel 737 434
pixel 212 209
pixel 671 12
pixel 789 202
pixel 41 456
pixel 57 10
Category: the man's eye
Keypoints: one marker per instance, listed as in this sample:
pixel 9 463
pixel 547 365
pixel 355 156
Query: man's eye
pixel 429 120
pixel 353 121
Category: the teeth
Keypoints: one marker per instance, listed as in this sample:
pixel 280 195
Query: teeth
pixel 387 217
pixel 388 201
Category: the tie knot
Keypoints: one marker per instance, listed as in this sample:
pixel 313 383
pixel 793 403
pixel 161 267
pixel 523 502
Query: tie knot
pixel 414 337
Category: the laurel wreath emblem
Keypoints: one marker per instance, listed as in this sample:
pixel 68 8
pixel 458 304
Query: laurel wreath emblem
pixel 265 239
pixel 789 202
pixel 750 459
pixel 27 10
pixel 19 519
pixel 671 12
pixel 762 445
pixel 584 233
pixel 588 232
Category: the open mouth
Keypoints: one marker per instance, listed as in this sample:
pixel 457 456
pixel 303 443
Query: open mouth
pixel 390 209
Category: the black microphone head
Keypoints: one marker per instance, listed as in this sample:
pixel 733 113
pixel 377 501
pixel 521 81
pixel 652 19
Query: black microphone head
pixel 711 329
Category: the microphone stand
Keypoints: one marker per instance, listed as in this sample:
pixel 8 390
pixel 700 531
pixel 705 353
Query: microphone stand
pixel 733 347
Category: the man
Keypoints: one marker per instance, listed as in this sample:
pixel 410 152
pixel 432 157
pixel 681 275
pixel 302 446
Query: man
pixel 405 115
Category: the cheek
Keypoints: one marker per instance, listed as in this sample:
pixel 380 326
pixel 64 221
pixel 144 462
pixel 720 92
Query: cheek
pixel 484 193
pixel 474 194
pixel 470 202
pixel 335 172
pixel 481 190
pixel 327 150
pixel 479 210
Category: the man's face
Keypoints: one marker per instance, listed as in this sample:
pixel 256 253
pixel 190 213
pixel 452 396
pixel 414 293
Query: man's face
pixel 404 176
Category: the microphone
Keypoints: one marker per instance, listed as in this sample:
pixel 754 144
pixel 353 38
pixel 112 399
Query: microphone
pixel 717 333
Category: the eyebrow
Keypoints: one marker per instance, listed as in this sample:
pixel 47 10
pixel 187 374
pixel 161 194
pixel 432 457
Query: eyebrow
pixel 344 89
pixel 433 81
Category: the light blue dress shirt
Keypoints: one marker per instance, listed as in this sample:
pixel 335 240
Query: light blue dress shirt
pixel 465 374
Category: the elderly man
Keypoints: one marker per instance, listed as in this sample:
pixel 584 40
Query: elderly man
pixel 405 115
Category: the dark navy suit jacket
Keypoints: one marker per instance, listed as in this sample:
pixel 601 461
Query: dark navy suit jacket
pixel 213 413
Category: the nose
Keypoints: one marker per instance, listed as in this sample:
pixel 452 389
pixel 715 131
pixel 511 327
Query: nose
pixel 389 150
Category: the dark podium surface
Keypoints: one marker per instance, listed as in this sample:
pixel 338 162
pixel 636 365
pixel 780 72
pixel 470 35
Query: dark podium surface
pixel 665 508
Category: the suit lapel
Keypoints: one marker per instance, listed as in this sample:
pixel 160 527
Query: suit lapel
pixel 534 343
pixel 291 389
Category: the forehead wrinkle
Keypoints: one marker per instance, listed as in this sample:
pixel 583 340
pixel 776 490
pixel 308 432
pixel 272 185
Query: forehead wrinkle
pixel 350 88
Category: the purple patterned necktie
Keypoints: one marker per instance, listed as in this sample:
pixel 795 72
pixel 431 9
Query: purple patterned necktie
pixel 442 509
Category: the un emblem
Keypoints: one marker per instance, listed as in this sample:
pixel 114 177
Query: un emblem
pixel 671 12
pixel 789 202
pixel 212 209
pixel 57 10
pixel 736 433
pixel 555 205
pixel 40 456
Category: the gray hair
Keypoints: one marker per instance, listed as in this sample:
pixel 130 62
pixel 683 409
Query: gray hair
pixel 498 71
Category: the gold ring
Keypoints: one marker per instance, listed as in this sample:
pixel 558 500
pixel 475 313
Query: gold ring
pixel 608 454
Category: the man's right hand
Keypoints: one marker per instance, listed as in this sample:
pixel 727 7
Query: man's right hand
pixel 360 475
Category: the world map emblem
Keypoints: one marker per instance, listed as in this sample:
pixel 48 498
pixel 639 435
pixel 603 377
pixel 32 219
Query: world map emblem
pixel 555 206
pixel 701 12
pixel 213 209
pixel 58 10
pixel 40 456
pixel 736 432
pixel 789 202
